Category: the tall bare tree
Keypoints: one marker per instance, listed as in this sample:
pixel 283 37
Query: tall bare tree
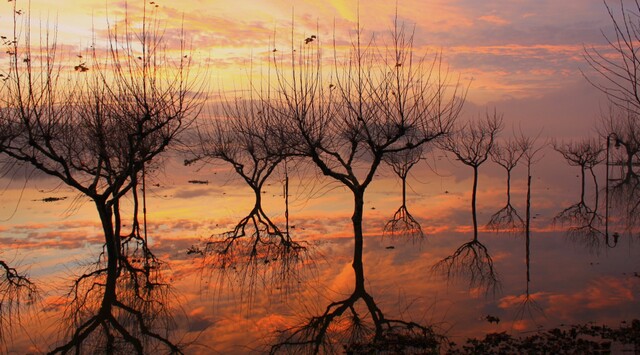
pixel 378 102
pixel 95 127
pixel 617 75
pixel 618 66
pixel 530 154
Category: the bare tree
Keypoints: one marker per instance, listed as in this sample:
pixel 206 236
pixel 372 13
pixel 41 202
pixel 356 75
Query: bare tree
pixel 617 75
pixel 95 132
pixel 471 145
pixel 403 224
pixel 378 103
pixel 623 127
pixel 585 154
pixel 507 155
pixel 248 136
pixel 530 154
pixel 617 67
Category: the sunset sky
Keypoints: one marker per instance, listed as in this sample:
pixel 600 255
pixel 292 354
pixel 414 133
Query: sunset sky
pixel 522 57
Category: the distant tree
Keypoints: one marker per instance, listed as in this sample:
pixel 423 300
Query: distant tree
pixel 471 145
pixel 530 154
pixel 585 154
pixel 584 221
pixel 95 127
pixel 403 224
pixel 379 102
pixel 621 129
pixel 507 155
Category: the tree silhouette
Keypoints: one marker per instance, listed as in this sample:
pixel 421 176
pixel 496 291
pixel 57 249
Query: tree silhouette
pixel 16 289
pixel 380 101
pixel 403 224
pixel 249 137
pixel 95 132
pixel 471 145
pixel 507 155
pixel 530 154
pixel 623 126
pixel 586 154
pixel 617 66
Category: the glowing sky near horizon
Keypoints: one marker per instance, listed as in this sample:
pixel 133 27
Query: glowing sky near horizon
pixel 522 57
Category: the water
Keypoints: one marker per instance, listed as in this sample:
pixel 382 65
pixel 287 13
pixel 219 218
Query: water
pixel 571 279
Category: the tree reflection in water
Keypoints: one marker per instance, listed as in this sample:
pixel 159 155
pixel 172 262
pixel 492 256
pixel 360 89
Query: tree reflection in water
pixel 16 291
pixel 384 101
pixel 254 142
pixel 507 155
pixel 586 155
pixel 528 306
pixel 126 309
pixel 472 145
pixel 356 325
pixel 586 224
pixel 403 224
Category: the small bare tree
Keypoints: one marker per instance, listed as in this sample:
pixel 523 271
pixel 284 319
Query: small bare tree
pixel 507 155
pixel 585 154
pixel 471 145
pixel 621 128
pixel 403 224
pixel 584 222
pixel 96 132
pixel 248 135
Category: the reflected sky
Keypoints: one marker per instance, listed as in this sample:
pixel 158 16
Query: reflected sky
pixel 525 60
pixel 570 283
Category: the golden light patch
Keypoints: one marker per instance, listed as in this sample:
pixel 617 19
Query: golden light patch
pixel 345 9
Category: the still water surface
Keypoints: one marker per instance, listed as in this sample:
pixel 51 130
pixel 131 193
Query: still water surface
pixel 567 278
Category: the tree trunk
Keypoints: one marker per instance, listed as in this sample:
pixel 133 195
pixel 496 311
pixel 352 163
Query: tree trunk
pixel 473 203
pixel 112 243
pixel 358 197
pixel 404 191
pixel 528 226
pixel 583 183
pixel 508 187
pixel 258 202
